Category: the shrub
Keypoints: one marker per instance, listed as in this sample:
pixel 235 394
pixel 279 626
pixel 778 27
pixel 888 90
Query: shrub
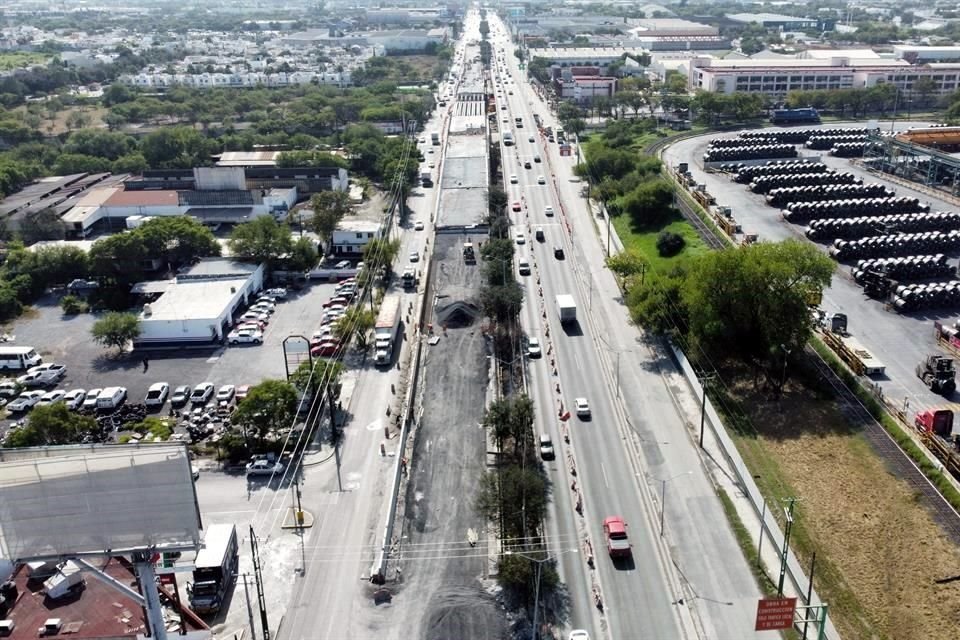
pixel 670 244
pixel 72 305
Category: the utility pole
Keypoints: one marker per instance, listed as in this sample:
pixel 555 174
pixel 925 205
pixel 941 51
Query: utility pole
pixel 246 592
pixel 806 612
pixel 704 383
pixel 788 511
pixel 258 576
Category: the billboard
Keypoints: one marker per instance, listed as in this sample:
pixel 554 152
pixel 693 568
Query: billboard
pixel 79 499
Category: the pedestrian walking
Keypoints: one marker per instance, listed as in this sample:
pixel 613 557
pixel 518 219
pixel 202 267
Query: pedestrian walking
pixel 146 363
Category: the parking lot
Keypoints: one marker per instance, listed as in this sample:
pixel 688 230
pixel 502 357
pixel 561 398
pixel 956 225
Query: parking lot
pixel 67 340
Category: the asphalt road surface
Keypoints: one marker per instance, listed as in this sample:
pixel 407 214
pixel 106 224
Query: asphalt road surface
pixel 700 551
pixel 637 595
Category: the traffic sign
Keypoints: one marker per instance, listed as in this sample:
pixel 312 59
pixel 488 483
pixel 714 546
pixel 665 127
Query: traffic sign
pixel 775 613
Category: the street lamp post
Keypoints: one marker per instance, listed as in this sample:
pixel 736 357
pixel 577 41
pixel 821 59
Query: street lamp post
pixel 539 561
pixel 663 495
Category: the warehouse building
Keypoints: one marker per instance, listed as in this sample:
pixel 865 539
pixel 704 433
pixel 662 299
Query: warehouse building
pixel 776 78
pixel 199 306
pixel 774 21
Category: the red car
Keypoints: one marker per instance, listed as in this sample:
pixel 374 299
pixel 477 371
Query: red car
pixel 516 206
pixel 327 349
pixel 615 532
pixel 336 300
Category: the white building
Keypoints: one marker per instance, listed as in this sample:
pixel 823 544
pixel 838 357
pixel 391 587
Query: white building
pixel 776 78
pixel 352 235
pixel 918 54
pixel 198 308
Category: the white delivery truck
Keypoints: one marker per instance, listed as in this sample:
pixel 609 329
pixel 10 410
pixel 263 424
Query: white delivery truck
pixel 19 358
pixel 566 308
pixel 385 331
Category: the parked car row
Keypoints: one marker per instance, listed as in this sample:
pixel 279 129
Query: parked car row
pixel 252 322
pixel 325 342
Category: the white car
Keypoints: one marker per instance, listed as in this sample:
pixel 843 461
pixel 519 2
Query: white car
pixel 90 400
pixel 279 293
pixel 255 315
pixel 533 348
pixel 226 393
pixel 582 407
pixel 541 180
pixel 578 634
pixel 52 368
pixel 263 307
pixel 252 336
pixel 513 178
pixel 418 225
pixel 324 332
pixel 74 398
pixel 180 395
pixel 521 239
pixel 432 164
pixel 414 256
pixel 548 211
pixel 202 393
pixel 266 298
pixel 264 468
pixel 25 401
pixel 38 378
pixel 9 389
pixel 157 394
pixel 50 397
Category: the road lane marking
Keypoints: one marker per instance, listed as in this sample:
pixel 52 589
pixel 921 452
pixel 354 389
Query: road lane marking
pixel 603 470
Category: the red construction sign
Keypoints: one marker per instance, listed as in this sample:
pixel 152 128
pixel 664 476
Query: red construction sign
pixel 775 613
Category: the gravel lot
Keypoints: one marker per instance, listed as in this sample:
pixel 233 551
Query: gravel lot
pixel 67 340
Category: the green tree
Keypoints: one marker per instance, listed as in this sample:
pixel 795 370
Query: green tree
pixel 10 305
pixel 359 320
pixel 272 404
pixel 650 203
pixel 41 225
pixel 78 163
pixel 303 255
pixel 502 303
pixel 77 120
pixel 312 379
pixel 751 301
pixel 513 497
pixel 310 158
pixel 263 239
pixel 52 424
pixel 116 330
pixel 925 89
pixel 99 143
pixel 178 239
pixel 72 305
pixel 627 264
pixel 379 254
pixel 329 208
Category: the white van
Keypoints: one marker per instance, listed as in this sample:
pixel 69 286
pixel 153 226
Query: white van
pixel 111 397
pixel 523 266
pixel 19 357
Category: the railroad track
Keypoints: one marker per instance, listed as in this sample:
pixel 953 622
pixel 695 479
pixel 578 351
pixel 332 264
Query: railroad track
pixel 896 460
pixel 708 235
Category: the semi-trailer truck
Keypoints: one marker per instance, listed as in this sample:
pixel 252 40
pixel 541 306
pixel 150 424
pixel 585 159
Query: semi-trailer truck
pixel 566 308
pixel 385 331
pixel 214 569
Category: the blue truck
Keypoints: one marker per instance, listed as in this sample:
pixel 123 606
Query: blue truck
pixel 806 115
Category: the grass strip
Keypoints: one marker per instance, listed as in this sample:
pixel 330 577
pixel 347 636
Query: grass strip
pixel 933 471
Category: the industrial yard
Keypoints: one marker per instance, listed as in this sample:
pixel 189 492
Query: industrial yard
pixel 889 315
